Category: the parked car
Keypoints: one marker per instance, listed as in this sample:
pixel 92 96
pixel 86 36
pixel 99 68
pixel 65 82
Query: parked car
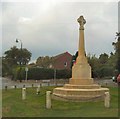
pixel 118 79
pixel 113 78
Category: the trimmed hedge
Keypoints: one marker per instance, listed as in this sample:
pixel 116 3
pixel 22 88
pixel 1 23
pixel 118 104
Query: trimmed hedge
pixel 63 74
pixel 41 73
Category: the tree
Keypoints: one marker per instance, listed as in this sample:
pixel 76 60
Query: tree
pixel 0 66
pixel 104 66
pixel 5 67
pixel 74 57
pixel 44 62
pixel 112 60
pixel 117 50
pixel 26 56
pixel 95 65
pixel 15 56
pixel 11 56
pixel 12 59
pixel 103 58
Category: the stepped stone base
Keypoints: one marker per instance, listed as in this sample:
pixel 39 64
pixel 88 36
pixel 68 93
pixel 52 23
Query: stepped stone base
pixel 81 81
pixel 78 93
pixel 94 86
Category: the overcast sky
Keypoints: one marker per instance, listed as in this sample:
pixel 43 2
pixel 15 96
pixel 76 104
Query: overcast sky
pixel 51 28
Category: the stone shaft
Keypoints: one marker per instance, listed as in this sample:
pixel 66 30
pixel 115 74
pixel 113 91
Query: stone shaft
pixel 81 50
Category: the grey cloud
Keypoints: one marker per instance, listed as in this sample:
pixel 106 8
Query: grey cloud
pixel 119 16
pixel 56 30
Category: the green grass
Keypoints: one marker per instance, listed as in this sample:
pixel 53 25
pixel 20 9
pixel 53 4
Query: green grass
pixel 34 105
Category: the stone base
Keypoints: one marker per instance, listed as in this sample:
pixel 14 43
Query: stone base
pixel 81 81
pixel 94 86
pixel 78 93
pixel 77 99
pixel 81 70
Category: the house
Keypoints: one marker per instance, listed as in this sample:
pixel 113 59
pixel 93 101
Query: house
pixel 62 61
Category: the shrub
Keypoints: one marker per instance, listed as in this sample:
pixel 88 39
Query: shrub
pixel 63 74
pixel 40 73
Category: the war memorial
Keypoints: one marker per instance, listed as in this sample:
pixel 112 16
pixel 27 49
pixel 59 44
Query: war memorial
pixel 81 86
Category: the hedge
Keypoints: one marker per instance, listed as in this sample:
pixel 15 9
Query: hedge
pixel 41 73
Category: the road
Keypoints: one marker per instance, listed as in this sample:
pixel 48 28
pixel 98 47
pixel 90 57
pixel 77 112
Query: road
pixel 11 84
pixel 0 82
pixel 7 82
pixel 105 82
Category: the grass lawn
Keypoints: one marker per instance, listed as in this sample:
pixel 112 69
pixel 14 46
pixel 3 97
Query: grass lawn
pixel 34 105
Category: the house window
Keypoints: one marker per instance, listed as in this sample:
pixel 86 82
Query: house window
pixel 65 64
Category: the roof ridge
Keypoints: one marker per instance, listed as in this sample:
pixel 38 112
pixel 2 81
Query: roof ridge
pixel 61 54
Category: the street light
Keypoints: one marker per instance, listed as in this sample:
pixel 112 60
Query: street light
pixel 26 70
pixel 18 40
pixel 55 76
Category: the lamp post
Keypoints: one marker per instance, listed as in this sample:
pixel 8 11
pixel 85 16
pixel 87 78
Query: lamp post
pixel 18 40
pixel 26 70
pixel 55 76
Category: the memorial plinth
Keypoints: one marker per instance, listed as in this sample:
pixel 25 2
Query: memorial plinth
pixel 81 86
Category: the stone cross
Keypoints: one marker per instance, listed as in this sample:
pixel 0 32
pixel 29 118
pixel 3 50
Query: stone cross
pixel 81 21
pixel 81 50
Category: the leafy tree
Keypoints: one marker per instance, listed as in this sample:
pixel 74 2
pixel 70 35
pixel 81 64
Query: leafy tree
pixel 104 66
pixel 6 67
pixel 26 56
pixel 95 64
pixel 112 62
pixel 74 57
pixel 15 56
pixel 11 56
pixel 44 62
pixel 103 58
pixel 117 51
pixel 0 66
